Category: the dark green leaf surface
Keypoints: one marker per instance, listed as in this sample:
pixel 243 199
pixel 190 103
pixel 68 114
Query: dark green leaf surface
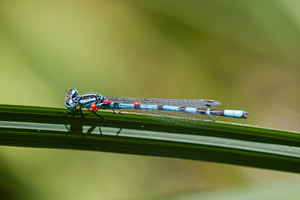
pixel 127 133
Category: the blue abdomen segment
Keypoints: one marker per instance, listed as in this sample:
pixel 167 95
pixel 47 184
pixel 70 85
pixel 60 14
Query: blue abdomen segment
pixel 148 107
pixel 235 113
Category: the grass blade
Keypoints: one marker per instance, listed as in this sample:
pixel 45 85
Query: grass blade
pixel 44 127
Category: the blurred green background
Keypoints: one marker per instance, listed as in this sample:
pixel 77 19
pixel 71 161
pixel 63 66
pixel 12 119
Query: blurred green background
pixel 245 54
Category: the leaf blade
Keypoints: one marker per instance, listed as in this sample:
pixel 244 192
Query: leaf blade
pixel 220 142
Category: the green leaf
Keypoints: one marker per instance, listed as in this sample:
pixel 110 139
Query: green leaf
pixel 221 142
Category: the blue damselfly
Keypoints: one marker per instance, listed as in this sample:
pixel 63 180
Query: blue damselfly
pixel 182 111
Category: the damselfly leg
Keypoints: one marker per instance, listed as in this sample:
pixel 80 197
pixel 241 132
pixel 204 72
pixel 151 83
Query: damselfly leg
pixel 102 121
pixel 116 112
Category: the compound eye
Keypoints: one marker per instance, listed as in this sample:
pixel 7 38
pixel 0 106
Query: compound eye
pixel 70 102
pixel 73 92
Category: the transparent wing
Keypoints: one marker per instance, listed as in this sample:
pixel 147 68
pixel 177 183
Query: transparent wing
pixel 199 103
pixel 181 118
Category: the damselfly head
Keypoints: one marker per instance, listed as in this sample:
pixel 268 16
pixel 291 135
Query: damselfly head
pixel 69 99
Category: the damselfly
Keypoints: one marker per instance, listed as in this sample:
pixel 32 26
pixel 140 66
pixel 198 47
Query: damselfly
pixel 182 111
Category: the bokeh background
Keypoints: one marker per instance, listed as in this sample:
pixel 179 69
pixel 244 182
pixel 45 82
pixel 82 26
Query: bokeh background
pixel 245 54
